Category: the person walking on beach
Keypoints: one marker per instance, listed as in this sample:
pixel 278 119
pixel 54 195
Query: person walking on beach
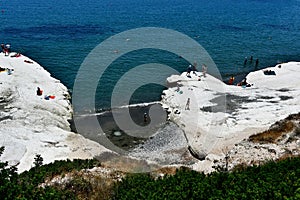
pixel 187 105
pixel 145 117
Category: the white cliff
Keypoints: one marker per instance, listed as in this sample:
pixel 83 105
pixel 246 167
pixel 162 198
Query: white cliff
pixel 219 115
pixel 31 124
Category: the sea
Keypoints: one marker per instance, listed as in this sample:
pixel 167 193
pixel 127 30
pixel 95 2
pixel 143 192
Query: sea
pixel 59 34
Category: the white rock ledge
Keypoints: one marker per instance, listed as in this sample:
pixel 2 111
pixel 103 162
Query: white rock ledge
pixel 221 115
pixel 30 124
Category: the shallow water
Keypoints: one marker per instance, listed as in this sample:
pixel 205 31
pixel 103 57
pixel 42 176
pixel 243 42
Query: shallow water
pixel 123 139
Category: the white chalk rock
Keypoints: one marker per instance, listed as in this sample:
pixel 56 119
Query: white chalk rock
pixel 219 115
pixel 30 124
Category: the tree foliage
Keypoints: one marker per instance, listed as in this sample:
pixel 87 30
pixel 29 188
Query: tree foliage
pixel 270 181
pixel 274 180
pixel 38 160
pixel 27 184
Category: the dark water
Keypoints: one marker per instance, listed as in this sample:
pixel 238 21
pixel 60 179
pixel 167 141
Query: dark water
pixel 123 139
pixel 59 34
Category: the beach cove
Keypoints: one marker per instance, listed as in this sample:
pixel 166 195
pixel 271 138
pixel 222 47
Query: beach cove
pixel 217 118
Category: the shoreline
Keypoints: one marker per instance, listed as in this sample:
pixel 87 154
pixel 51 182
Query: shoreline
pixel 32 124
pixel 124 139
pixel 220 115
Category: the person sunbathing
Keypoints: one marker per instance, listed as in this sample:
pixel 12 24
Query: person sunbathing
pixel 244 83
pixel 16 55
pixel 28 61
pixel 269 72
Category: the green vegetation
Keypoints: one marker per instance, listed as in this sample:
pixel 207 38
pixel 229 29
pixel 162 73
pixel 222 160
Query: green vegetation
pixel 270 181
pixel 27 184
pixel 274 180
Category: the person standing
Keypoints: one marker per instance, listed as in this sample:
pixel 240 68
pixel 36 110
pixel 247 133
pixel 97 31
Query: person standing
pixel 204 70
pixel 7 49
pixel 231 80
pixel 245 61
pixel 194 69
pixel 256 64
pixel 3 48
pixel 145 117
pixel 188 71
pixel 187 105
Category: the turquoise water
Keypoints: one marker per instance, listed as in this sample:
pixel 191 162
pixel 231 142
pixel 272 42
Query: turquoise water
pixel 59 34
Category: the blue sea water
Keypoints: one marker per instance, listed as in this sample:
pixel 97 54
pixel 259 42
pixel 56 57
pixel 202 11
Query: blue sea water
pixel 59 34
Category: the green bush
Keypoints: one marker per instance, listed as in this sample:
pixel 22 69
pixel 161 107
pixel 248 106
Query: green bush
pixel 270 181
pixel 26 184
pixel 273 180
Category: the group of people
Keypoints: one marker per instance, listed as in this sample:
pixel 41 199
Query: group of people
pixel 8 70
pixel 193 68
pixel 269 72
pixel 242 83
pixel 39 92
pixel 250 61
pixel 5 49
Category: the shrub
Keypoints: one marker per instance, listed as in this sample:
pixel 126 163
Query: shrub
pixel 26 184
pixel 270 181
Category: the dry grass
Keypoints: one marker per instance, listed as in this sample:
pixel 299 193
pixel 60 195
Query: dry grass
pixel 240 167
pixel 167 170
pixel 287 156
pixel 89 185
pixel 276 131
pixel 101 188
pixel 126 164
pixel 130 165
